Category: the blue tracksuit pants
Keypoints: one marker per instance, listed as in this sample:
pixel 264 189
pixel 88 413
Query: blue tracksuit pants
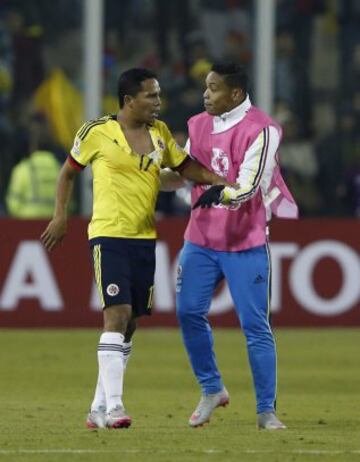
pixel 248 276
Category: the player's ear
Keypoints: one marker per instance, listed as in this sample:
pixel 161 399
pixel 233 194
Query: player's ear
pixel 127 99
pixel 237 94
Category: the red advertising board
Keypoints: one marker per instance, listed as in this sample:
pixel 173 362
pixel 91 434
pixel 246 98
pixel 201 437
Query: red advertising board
pixel 315 268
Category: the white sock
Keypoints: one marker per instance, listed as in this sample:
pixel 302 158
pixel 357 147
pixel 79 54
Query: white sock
pixel 126 353
pixel 111 368
pixel 99 400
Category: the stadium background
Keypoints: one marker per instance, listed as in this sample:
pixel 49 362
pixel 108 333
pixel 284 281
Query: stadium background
pixel 307 53
pixel 311 86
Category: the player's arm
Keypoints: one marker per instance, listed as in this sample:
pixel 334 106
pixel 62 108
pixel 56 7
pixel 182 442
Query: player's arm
pixel 179 161
pixel 193 171
pixel 56 229
pixel 259 161
pixel 170 180
pixel 81 154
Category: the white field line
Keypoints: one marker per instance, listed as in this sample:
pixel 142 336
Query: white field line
pixel 318 452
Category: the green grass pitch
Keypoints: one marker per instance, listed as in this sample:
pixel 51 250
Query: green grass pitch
pixel 48 377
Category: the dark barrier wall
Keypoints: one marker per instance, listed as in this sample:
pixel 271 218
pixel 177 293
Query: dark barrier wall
pixel 315 267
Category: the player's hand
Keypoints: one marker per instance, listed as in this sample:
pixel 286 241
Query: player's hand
pixel 54 233
pixel 209 197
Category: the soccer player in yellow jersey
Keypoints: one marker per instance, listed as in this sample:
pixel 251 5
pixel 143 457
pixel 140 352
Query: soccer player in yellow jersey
pixel 126 152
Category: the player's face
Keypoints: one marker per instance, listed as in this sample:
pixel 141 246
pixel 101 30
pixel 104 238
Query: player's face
pixel 218 97
pixel 146 104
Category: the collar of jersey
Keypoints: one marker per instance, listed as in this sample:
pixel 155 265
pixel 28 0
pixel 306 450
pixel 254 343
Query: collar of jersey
pixel 153 154
pixel 229 119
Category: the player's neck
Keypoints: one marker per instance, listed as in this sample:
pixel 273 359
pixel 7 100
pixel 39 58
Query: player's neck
pixel 128 122
pixel 235 104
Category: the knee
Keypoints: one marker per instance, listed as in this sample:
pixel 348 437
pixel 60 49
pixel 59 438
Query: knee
pixel 184 309
pixel 117 318
pixel 257 332
pixel 188 312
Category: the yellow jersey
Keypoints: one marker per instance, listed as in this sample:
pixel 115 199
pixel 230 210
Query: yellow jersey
pixel 125 184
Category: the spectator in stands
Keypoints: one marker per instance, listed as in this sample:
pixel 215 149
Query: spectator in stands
pixel 349 37
pixel 6 59
pixel 298 16
pixel 169 17
pixel 338 159
pixel 285 84
pixel 220 20
pixel 298 161
pixel 27 45
pixel 354 186
pixel 353 78
pixel 31 190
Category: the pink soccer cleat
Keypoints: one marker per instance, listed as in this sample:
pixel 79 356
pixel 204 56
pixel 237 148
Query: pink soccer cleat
pixel 96 418
pixel 117 418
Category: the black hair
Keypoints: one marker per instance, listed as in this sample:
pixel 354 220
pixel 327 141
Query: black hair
pixel 129 82
pixel 234 75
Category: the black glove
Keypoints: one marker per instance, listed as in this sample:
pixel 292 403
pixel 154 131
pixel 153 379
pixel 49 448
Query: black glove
pixel 209 197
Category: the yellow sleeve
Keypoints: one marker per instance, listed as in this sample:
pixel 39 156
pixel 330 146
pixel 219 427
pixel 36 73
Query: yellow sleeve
pixel 85 146
pixel 174 155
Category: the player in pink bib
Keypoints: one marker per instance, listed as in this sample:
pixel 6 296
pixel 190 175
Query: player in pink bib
pixel 226 237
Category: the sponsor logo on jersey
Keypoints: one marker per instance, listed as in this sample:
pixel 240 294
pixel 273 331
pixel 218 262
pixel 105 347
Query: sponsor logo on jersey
pixel 220 162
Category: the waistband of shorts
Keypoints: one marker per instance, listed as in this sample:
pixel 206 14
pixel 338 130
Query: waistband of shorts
pixel 122 241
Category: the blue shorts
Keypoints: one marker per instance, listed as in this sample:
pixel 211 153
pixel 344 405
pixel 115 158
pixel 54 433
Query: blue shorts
pixel 124 272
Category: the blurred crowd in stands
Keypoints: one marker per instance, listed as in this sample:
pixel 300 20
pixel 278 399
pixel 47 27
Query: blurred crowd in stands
pixel 317 81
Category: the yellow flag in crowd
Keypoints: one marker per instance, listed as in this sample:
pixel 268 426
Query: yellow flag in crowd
pixel 62 103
